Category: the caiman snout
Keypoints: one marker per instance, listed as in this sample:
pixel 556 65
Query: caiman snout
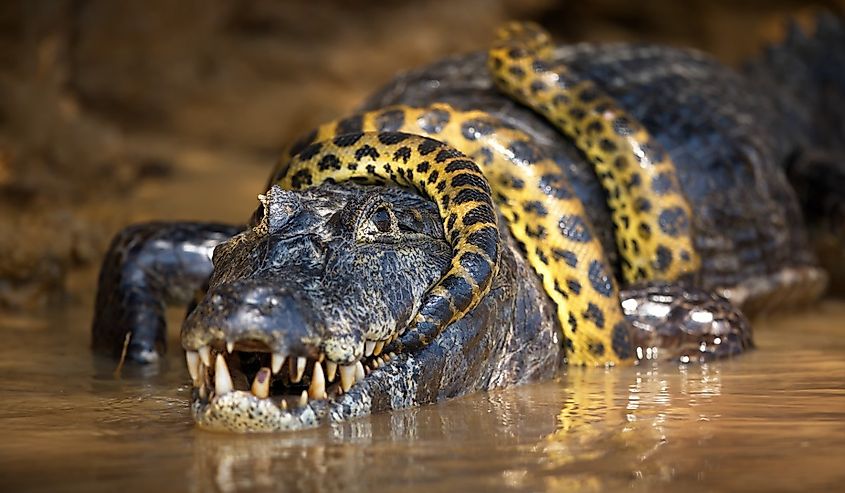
pixel 254 313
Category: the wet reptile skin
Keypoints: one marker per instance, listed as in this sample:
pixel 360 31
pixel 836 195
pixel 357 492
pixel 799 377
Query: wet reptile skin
pixel 442 174
pixel 541 210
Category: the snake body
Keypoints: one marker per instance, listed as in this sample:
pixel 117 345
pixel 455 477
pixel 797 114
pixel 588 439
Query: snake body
pixel 442 174
pixel 651 215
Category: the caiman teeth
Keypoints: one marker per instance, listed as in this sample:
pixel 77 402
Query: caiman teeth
pixel 222 380
pixel 317 389
pixel 193 359
pixel 276 362
pixel 331 370
pixel 369 346
pixel 297 368
pixel 230 346
pixel 205 355
pixel 378 348
pixel 347 377
pixel 359 372
pixel 261 384
pixel 303 398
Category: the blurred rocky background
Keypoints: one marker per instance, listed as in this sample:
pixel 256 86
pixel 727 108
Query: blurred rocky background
pixel 106 105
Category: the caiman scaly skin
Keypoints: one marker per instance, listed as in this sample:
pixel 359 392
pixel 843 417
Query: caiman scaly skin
pixel 341 299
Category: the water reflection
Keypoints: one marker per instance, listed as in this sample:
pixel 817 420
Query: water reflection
pixel 772 417
pixel 615 419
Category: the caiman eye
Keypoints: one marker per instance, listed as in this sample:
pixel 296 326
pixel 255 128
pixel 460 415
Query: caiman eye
pixel 381 219
pixel 379 224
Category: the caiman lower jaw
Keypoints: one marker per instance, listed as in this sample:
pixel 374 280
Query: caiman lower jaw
pixel 258 391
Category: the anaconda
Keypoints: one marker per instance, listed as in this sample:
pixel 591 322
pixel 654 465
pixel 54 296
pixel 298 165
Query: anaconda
pixel 403 300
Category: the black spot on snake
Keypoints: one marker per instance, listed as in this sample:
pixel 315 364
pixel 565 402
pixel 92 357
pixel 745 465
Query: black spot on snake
pixel 663 258
pixel 567 256
pixel 525 152
pixel 476 128
pixel 392 138
pixel 366 150
pixel 329 161
pixel 621 341
pixel 403 153
pixel 446 154
pixel 673 221
pixel 428 146
pixel 594 314
pixel 310 151
pixel 480 214
pixel 476 266
pixel 555 185
pixel 347 140
pixel 662 183
pixel 390 121
pixel 461 164
pixel 600 279
pixel 574 228
pixel 433 121
pixel 353 124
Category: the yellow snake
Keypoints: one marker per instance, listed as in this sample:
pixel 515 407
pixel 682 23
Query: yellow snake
pixel 650 213
pixel 544 215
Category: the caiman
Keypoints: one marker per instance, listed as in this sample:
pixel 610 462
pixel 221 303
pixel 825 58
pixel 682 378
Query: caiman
pixel 471 226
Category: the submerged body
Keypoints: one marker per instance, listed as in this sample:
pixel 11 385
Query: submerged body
pixel 345 299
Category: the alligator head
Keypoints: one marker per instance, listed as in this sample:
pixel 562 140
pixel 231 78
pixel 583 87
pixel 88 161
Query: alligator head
pixel 295 327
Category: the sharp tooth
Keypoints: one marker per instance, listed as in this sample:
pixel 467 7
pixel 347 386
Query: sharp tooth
pixel 222 380
pixel 317 389
pixel 276 362
pixel 297 369
pixel 230 346
pixel 193 359
pixel 331 369
pixel 347 376
pixel 361 348
pixel 359 372
pixel 261 384
pixel 205 355
pixel 378 348
pixel 303 399
pixel 203 392
pixel 369 346
pixel 284 405
pixel 374 363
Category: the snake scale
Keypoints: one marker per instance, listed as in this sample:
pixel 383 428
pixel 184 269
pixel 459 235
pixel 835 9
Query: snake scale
pixel 476 159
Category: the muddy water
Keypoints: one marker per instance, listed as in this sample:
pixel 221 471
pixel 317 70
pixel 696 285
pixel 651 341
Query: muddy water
pixel 771 420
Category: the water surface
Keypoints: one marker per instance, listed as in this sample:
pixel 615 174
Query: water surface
pixel 771 420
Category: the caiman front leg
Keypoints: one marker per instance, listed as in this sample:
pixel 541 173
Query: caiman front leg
pixel 147 267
